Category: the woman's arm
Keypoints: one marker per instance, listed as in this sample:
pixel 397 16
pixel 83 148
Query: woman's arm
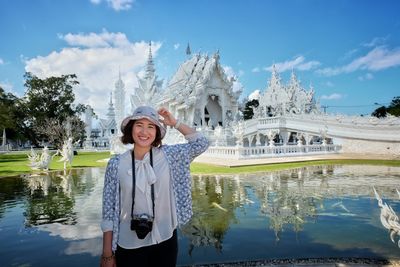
pixel 198 143
pixel 109 191
pixel 107 258
pixel 170 120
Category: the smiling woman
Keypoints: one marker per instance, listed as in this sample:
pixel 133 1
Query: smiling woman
pixel 147 191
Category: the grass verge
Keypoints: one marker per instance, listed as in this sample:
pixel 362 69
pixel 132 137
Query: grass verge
pixel 201 168
pixel 17 163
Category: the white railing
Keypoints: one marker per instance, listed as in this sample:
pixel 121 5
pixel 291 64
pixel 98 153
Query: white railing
pixel 268 151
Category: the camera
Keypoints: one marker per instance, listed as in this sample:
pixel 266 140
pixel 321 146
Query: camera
pixel 142 224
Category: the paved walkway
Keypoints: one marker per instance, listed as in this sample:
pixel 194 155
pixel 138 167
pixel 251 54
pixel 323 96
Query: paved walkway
pixel 349 262
pixel 247 162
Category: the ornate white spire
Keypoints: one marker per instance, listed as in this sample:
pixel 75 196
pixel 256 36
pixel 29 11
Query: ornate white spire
pixel 111 110
pixel 188 51
pixel 150 70
pixel 149 86
pixel 275 82
pixel 119 98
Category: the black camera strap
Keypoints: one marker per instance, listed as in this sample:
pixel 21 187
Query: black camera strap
pixel 134 181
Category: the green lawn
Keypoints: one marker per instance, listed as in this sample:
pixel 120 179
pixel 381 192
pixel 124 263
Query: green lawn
pixel 200 168
pixel 17 163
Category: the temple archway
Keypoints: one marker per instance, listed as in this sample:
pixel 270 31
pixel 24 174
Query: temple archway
pixel 213 112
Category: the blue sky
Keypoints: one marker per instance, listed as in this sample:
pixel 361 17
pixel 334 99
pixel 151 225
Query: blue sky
pixel 348 50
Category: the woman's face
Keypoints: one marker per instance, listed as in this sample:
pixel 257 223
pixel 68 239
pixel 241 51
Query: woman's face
pixel 144 133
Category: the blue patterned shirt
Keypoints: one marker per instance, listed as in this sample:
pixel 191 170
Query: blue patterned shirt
pixel 179 157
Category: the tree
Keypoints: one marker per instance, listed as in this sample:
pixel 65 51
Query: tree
pixel 392 109
pixel 7 102
pixel 380 112
pixel 248 109
pixel 49 103
pixel 11 114
pixel 57 132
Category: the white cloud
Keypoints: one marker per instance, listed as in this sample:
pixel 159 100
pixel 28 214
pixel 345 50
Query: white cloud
pixel 1 61
pixel 255 95
pixel 298 63
pixel 120 4
pixel 104 39
pixel 376 42
pixel 349 54
pixel 8 87
pixel 379 58
pixel 366 77
pixel 176 46
pixel 333 96
pixel 256 69
pixel 97 67
pixel 117 5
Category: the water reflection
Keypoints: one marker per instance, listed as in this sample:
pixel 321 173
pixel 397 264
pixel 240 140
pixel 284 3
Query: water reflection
pixel 322 211
pixel 287 200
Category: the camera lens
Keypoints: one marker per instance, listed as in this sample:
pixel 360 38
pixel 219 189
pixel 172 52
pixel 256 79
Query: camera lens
pixel 142 226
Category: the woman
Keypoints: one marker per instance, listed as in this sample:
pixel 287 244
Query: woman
pixel 143 232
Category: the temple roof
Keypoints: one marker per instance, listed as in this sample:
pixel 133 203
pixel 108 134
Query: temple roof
pixel 192 76
pixel 289 98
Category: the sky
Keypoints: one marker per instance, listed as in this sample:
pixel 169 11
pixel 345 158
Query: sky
pixel 347 50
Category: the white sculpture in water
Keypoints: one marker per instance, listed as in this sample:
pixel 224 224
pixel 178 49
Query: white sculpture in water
pixel 67 153
pixel 389 218
pixel 39 162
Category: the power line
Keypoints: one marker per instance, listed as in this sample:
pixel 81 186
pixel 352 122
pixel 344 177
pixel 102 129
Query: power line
pixel 355 106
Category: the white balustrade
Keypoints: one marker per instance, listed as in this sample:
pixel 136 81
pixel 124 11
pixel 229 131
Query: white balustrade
pixel 268 152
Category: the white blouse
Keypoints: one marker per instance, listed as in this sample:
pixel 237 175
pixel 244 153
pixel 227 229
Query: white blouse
pixel 165 220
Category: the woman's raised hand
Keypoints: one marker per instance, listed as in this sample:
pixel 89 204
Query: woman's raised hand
pixel 168 118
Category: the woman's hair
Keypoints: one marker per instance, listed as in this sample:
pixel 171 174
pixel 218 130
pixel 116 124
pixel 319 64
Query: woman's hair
pixel 127 138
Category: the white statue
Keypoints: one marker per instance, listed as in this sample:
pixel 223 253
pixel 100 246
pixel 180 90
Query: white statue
pixel 33 156
pixel 116 145
pixel 217 134
pixel 67 153
pixel 389 218
pixel 299 139
pixel 41 162
pixel 238 132
pixel 323 133
pixel 271 135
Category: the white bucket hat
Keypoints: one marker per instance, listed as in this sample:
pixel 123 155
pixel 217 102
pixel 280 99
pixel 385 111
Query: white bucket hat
pixel 145 112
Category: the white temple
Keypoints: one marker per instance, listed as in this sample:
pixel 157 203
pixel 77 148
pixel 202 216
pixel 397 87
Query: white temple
pixel 288 121
pixel 201 94
pixel 101 137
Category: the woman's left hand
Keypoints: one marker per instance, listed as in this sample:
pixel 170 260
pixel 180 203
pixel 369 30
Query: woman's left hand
pixel 168 118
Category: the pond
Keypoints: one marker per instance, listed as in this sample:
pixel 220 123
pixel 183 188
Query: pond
pixel 312 212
